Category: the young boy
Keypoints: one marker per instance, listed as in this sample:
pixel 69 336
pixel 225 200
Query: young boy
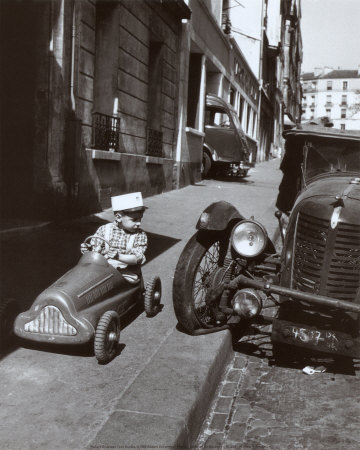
pixel 125 242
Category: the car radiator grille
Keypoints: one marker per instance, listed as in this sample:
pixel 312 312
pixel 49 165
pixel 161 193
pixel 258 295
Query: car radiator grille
pixel 50 321
pixel 326 261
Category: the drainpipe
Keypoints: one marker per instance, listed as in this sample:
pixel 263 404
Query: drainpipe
pixel 260 79
pixel 73 39
pixel 202 94
pixel 182 99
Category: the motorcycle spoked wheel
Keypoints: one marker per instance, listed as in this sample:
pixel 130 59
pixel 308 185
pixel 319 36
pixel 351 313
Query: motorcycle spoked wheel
pixel 198 266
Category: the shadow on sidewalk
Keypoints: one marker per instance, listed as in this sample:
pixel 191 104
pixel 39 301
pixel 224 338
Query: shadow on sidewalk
pixel 32 261
pixel 256 341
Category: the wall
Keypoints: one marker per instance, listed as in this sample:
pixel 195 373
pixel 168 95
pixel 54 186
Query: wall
pixel 128 89
pixel 35 79
pixel 329 102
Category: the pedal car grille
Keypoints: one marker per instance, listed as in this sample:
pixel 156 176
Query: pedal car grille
pixel 327 261
pixel 50 321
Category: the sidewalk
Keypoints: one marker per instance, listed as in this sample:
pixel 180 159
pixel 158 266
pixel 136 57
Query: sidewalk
pixel 157 391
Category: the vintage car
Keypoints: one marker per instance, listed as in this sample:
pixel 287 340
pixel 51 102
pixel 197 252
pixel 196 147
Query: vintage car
pixel 229 269
pixel 226 149
pixel 86 304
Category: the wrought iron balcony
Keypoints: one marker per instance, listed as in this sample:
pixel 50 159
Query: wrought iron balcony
pixel 154 145
pixel 106 132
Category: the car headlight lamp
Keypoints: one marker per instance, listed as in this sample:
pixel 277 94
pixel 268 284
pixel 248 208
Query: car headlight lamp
pixel 249 238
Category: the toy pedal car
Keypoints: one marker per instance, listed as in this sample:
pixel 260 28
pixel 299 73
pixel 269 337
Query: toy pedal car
pixel 87 303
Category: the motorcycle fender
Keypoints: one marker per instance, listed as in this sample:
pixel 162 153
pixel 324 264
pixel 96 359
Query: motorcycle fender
pixel 217 216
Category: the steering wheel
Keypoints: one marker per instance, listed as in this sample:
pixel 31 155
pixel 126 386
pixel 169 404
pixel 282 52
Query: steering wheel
pixel 96 237
pixel 225 123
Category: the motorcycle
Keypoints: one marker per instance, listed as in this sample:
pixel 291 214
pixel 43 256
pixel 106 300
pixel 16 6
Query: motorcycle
pixel 229 271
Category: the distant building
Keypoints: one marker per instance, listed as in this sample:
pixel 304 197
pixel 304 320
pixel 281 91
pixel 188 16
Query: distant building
pixel 269 35
pixel 211 63
pixel 332 93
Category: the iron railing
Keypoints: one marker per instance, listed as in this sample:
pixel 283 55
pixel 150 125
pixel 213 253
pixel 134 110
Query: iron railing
pixel 154 146
pixel 106 132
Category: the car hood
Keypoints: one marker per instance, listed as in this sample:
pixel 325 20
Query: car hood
pixel 323 195
pixel 336 187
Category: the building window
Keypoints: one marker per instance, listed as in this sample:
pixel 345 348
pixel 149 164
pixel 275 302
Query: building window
pixel 154 145
pixel 342 126
pixel 344 99
pixel 248 119
pixel 345 85
pixel 106 132
pixel 328 113
pixel 106 125
pixel 241 109
pixel 193 106
pixel 328 100
pixel 343 113
pixel 329 86
pixel 232 97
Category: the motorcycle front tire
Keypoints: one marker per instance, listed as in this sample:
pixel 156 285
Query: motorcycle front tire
pixel 186 311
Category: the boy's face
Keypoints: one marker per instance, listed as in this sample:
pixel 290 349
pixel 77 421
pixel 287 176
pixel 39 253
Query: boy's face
pixel 130 220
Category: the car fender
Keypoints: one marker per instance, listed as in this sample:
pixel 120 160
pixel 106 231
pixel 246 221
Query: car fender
pixel 217 216
pixel 211 151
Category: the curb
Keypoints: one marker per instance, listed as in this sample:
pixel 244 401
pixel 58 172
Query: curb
pixel 169 414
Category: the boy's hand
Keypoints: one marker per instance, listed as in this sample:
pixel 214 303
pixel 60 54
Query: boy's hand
pixel 85 247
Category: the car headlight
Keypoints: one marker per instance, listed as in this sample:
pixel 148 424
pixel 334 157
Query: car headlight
pixel 249 238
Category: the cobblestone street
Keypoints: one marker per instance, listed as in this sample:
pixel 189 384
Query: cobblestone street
pixel 263 405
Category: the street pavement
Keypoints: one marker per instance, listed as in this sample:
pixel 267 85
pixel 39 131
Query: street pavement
pixel 157 391
pixel 266 404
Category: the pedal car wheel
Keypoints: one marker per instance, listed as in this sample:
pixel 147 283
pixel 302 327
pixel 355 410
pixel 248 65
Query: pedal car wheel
pixel 9 309
pixel 152 296
pixel 198 266
pixel 107 336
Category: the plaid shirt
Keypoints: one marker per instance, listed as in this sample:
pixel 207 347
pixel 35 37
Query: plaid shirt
pixel 118 241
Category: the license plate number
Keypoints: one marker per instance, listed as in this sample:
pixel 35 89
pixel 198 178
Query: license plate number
pixel 322 340
pixel 315 337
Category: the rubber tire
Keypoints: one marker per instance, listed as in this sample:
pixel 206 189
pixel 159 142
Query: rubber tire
pixel 184 276
pixel 244 173
pixel 9 309
pixel 105 351
pixel 206 164
pixel 152 296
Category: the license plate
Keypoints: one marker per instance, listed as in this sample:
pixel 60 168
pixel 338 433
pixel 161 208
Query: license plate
pixel 322 340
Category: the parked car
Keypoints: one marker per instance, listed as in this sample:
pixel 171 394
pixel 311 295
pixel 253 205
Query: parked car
pixel 229 269
pixel 86 305
pixel 226 149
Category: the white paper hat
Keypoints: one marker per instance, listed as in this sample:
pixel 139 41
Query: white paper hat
pixel 128 202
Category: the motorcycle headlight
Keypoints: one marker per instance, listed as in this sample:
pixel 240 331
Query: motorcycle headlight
pixel 249 238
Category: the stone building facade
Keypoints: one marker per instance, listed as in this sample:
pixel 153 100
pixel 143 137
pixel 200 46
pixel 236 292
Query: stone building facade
pixel 269 34
pixel 90 99
pixel 213 63
pixel 103 97
pixel 332 93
